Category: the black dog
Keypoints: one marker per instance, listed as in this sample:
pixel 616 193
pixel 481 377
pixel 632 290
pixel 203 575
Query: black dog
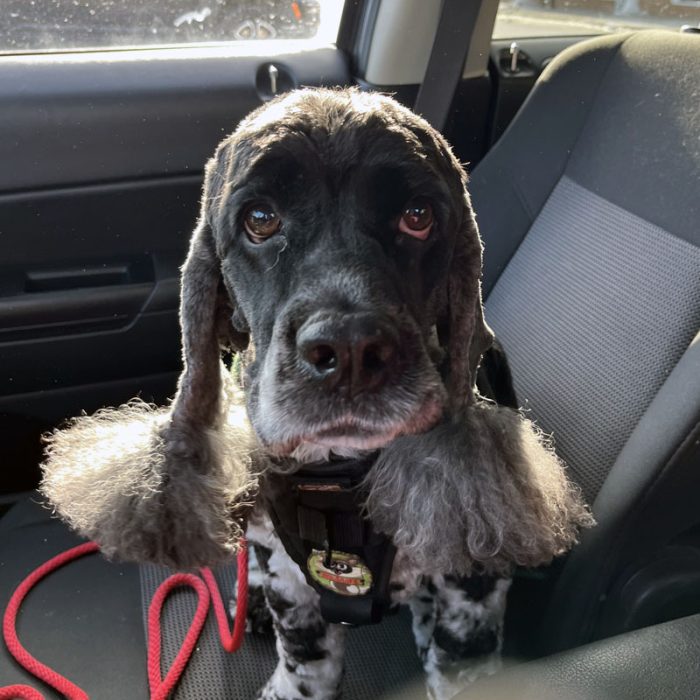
pixel 338 254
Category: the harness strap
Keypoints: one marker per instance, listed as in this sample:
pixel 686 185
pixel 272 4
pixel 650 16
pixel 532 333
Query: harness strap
pixel 317 514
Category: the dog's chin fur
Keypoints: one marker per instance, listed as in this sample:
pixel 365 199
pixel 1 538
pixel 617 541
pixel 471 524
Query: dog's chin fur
pixel 353 436
pixel 478 494
pixel 311 452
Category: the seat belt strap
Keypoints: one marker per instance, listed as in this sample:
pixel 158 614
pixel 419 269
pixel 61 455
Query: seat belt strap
pixel 447 59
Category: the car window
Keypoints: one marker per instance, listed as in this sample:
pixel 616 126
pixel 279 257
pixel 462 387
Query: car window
pixel 36 26
pixel 542 18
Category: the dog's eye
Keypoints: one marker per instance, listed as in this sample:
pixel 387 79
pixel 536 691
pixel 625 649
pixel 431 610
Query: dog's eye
pixel 417 219
pixel 261 221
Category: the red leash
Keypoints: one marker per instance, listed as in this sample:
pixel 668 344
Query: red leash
pixel 207 593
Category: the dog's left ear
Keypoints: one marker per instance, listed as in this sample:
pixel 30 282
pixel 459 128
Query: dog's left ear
pixel 466 334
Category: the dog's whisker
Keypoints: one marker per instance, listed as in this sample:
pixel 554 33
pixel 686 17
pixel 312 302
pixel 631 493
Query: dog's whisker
pixel 285 243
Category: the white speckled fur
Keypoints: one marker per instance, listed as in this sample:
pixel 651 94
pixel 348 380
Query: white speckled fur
pixel 319 678
pixel 436 603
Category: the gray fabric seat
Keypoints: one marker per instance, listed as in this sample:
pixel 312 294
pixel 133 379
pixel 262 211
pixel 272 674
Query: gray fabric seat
pixel 88 621
pixel 656 662
pixel 84 621
pixel 589 207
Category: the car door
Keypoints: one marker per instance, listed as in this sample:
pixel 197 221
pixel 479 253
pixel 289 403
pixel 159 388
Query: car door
pixel 108 112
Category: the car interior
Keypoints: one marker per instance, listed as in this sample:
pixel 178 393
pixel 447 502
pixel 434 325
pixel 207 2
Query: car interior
pixel 579 124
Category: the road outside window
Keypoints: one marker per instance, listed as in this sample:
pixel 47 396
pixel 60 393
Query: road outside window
pixel 518 19
pixel 38 26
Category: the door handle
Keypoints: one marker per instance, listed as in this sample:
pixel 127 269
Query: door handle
pixel 74 310
pixel 75 298
pixel 76 278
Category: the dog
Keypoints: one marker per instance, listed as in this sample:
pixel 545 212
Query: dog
pixel 338 258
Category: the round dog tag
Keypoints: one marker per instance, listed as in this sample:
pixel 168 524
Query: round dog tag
pixel 346 574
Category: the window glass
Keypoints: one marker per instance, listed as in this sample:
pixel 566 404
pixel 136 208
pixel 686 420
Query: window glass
pixel 65 25
pixel 541 18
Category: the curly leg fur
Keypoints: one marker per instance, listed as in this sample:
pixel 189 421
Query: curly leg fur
pixel 422 606
pixel 458 627
pixel 310 650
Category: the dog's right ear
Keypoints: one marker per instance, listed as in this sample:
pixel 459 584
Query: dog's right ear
pixel 206 308
pixel 168 486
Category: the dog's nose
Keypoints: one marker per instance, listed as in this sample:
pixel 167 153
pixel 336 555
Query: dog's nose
pixel 358 352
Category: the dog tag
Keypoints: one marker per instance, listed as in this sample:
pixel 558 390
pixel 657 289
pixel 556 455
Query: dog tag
pixel 345 574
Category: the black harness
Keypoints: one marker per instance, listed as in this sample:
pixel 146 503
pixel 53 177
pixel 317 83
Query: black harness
pixel 317 514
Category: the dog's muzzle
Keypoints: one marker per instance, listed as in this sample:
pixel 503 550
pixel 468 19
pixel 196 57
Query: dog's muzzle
pixel 343 374
pixel 354 354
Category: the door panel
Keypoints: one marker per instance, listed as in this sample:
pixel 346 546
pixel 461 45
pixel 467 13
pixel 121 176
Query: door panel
pixel 86 118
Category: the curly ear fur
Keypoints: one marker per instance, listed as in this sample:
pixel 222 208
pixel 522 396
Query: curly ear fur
pixel 148 489
pixel 468 335
pixel 166 486
pixel 462 330
pixel 483 491
pixel 479 494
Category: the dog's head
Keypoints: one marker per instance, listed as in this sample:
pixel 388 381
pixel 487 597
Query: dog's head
pixel 338 253
pixel 338 247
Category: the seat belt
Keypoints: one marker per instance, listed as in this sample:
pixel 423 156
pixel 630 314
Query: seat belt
pixel 447 59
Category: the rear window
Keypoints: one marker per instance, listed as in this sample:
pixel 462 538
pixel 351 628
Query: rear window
pixel 518 19
pixel 39 26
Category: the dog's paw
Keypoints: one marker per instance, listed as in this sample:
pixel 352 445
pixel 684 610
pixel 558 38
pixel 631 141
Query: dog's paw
pixel 258 617
pixel 297 691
